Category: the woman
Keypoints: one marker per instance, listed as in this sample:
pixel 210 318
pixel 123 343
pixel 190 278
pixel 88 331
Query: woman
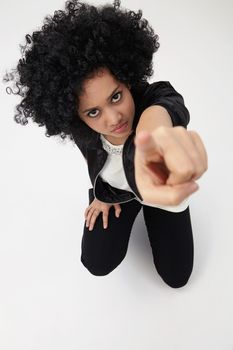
pixel 84 76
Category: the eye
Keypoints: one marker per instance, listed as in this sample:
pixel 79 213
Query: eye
pixel 118 93
pixel 91 115
pixel 115 98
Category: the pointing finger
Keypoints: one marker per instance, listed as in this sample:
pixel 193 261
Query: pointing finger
pixel 146 146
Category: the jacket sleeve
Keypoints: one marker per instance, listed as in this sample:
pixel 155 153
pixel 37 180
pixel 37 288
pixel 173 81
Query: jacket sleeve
pixel 162 93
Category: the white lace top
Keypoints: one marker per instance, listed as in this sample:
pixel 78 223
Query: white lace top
pixel 113 173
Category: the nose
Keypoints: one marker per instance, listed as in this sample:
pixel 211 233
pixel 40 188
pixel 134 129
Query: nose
pixel 114 118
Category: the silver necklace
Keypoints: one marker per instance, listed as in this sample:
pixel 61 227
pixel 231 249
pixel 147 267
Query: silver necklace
pixel 111 149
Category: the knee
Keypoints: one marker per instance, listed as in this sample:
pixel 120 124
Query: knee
pixel 176 283
pixel 97 271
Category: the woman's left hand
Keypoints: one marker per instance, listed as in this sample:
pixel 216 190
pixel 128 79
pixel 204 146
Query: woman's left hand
pixel 167 162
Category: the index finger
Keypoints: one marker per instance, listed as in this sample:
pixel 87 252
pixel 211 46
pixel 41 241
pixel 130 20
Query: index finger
pixel 146 146
pixel 170 150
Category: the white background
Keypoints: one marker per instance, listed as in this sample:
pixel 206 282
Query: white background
pixel 48 300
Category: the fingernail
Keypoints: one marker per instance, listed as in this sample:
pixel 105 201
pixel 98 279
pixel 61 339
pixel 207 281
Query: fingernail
pixel 194 187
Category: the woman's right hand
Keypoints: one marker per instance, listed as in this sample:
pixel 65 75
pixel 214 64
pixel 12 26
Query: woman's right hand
pixel 95 208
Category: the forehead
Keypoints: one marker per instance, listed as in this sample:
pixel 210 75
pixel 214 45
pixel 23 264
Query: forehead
pixel 98 86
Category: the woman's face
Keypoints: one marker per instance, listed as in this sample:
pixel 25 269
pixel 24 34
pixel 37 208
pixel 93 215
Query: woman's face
pixel 105 104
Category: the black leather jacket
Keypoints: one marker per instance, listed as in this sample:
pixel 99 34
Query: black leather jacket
pixel 158 93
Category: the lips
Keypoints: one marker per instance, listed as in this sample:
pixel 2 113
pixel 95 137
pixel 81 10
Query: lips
pixel 119 126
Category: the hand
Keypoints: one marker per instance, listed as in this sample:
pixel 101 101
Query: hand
pixel 168 160
pixel 95 208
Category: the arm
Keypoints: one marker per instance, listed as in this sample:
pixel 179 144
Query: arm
pixel 153 117
pixel 162 94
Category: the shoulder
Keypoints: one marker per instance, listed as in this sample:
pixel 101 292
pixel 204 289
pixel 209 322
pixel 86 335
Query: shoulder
pixel 146 93
pixel 164 94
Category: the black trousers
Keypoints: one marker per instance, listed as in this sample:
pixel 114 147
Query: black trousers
pixel 170 236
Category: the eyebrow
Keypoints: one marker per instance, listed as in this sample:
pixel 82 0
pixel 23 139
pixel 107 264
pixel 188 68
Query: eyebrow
pixel 89 109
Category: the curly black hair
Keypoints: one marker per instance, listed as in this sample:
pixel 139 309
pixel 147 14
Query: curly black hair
pixel 68 49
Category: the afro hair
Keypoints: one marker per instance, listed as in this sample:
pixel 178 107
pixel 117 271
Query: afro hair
pixel 69 48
